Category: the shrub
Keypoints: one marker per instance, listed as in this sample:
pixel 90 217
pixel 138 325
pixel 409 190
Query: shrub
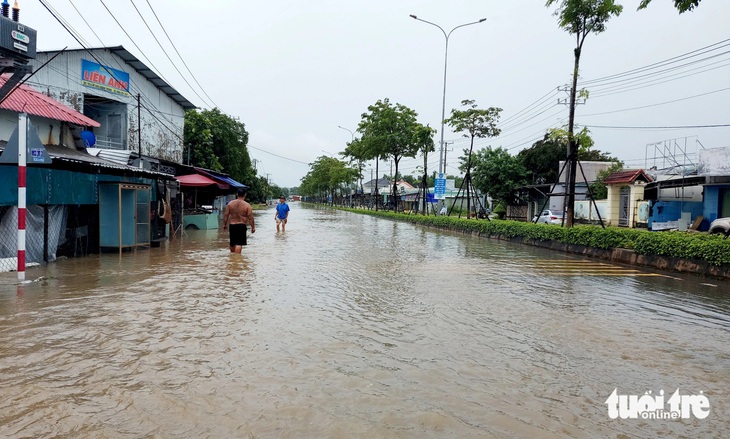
pixel 714 249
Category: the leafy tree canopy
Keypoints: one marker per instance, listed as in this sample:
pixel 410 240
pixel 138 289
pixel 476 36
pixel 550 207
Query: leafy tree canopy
pixel 392 131
pixel 583 17
pixel 599 190
pixel 542 160
pixel 681 5
pixel 325 175
pixel 219 143
pixel 497 173
pixel 473 121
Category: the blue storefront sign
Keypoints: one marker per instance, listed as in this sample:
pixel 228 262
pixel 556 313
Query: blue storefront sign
pixel 104 77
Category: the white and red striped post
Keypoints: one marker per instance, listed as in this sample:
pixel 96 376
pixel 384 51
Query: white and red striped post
pixel 22 159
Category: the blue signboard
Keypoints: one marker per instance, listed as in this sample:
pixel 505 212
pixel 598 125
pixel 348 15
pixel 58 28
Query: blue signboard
pixel 104 78
pixel 439 190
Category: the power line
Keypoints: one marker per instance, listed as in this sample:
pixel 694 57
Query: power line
pixel 132 40
pixel 658 104
pixel 675 127
pixel 164 51
pixel 277 155
pixel 677 58
pixel 178 54
pixel 78 39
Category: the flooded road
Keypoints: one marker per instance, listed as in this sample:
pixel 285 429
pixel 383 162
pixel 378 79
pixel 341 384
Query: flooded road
pixel 347 326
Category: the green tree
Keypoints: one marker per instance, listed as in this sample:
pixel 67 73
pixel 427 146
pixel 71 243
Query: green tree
pixel 598 188
pixel 681 5
pixel 392 131
pixel 498 173
pixel 473 122
pixel 325 176
pixel 542 160
pixel 218 142
pixel 580 18
pixel 425 133
pixel 584 143
pixel 357 154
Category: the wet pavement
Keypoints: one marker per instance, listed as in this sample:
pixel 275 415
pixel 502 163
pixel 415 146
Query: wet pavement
pixel 349 326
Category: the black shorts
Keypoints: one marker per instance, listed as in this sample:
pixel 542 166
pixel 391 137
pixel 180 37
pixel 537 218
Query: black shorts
pixel 238 234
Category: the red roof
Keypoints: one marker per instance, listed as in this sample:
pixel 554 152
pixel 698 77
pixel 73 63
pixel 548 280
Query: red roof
pixel 627 177
pixel 25 99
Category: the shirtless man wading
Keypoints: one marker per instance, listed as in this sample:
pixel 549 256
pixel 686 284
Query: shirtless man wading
pixel 238 214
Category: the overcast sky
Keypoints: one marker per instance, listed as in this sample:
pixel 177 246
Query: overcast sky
pixel 293 71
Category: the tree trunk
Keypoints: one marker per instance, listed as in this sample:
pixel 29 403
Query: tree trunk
pixel 377 162
pixel 394 192
pixel 572 156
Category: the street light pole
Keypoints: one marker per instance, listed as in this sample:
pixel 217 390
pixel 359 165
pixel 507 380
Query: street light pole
pixel 442 165
pixel 351 133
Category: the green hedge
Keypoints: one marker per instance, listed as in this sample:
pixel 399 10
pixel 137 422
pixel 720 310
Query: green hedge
pixel 714 249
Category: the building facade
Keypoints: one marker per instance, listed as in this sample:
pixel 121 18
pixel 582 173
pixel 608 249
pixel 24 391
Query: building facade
pixel 137 110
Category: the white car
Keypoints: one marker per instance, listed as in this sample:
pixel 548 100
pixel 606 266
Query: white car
pixel 549 217
pixel 721 226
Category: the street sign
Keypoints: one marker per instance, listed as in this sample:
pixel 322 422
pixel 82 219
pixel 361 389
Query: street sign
pixel 439 190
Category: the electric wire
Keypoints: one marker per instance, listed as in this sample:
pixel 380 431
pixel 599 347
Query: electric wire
pixel 165 52
pixel 78 39
pixel 178 54
pixel 132 40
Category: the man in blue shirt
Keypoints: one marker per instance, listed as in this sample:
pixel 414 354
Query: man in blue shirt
pixel 282 214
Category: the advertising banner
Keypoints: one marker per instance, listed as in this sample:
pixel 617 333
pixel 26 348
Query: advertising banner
pixel 104 78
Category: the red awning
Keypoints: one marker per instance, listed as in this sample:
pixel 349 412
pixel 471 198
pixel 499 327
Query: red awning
pixel 195 180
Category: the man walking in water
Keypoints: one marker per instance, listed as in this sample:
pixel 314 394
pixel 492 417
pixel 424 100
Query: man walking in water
pixel 238 214
pixel 282 214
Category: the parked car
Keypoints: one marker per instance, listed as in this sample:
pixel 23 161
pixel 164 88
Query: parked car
pixel 721 226
pixel 549 217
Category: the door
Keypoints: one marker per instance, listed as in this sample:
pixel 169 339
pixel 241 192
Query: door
pixel 623 207
pixel 724 203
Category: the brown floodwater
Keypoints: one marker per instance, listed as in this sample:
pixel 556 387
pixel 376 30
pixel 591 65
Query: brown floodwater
pixel 348 326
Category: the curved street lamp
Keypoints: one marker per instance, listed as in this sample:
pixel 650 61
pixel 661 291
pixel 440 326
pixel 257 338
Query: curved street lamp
pixel 351 132
pixel 442 165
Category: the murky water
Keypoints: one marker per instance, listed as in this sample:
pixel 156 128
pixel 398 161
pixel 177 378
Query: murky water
pixel 348 326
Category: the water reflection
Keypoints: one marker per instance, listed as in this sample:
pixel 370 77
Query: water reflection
pixel 350 326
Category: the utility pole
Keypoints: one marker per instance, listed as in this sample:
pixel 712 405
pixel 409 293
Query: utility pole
pixel 572 151
pixel 446 149
pixel 268 186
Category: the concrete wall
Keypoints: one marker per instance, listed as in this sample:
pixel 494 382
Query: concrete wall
pixel 49 131
pixel 715 161
pixel 637 206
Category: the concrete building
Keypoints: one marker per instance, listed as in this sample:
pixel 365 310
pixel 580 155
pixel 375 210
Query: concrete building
pixel 138 111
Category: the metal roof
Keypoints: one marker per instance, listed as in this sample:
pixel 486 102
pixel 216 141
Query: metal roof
pixel 220 176
pixel 142 69
pixel 28 100
pixel 69 155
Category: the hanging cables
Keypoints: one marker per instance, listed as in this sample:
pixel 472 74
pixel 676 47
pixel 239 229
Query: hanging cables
pixel 165 52
pixel 178 54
